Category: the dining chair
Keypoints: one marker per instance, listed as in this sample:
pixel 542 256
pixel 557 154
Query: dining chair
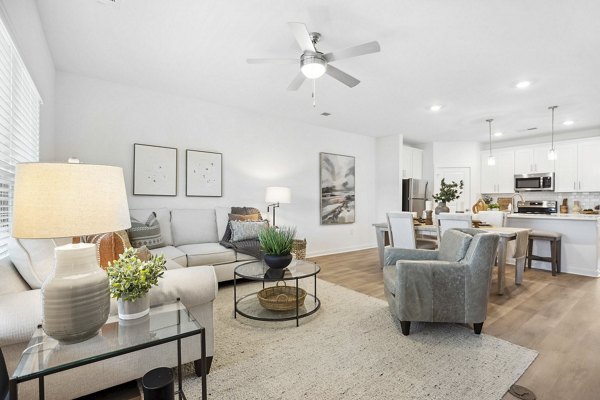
pixel 3 378
pixel 447 221
pixel 402 232
pixel 494 218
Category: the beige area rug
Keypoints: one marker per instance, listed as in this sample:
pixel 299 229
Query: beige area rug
pixel 352 348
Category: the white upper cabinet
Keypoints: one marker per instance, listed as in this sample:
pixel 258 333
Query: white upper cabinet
pixel 533 160
pixel 498 178
pixel 412 162
pixel 578 166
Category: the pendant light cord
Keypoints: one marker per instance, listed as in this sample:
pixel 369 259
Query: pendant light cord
pixel 489 121
pixel 552 108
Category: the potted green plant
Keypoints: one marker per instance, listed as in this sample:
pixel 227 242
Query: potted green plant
pixel 130 280
pixel 448 192
pixel 276 244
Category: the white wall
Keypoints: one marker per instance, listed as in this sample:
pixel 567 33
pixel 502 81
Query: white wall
pixel 388 175
pixel 99 121
pixel 23 21
pixel 460 155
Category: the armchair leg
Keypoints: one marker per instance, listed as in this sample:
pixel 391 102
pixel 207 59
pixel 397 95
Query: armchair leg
pixel 198 366
pixel 405 325
pixel 477 327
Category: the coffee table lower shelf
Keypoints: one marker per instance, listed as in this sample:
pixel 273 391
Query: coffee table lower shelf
pixel 249 307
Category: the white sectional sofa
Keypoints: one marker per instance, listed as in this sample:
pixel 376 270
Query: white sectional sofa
pixel 195 264
pixel 191 238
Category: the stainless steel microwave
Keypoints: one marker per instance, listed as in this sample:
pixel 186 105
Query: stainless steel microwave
pixel 534 182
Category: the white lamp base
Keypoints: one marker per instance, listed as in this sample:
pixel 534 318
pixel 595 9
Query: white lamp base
pixel 75 297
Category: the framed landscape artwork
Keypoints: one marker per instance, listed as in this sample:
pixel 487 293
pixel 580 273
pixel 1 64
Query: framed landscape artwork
pixel 337 189
pixel 154 170
pixel 203 173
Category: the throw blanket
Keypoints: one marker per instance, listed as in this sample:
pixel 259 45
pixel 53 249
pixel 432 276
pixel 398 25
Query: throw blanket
pixel 249 246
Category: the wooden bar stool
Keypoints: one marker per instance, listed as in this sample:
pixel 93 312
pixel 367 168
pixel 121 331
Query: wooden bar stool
pixel 555 244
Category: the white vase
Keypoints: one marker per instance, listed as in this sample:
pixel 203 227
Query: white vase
pixel 134 309
pixel 75 296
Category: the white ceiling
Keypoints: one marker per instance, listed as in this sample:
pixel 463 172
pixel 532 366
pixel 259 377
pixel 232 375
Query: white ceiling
pixel 464 54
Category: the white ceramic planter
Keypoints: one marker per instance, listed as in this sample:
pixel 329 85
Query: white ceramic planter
pixel 133 309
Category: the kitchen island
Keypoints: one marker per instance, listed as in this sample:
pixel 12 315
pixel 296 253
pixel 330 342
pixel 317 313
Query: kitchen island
pixel 580 240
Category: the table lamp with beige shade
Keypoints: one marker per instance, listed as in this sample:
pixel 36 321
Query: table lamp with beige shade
pixel 275 195
pixel 71 200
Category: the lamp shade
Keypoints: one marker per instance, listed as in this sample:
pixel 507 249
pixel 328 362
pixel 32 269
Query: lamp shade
pixel 58 200
pixel 278 194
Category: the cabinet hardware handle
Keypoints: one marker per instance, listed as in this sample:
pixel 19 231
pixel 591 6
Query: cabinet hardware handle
pixel 579 185
pixel 574 184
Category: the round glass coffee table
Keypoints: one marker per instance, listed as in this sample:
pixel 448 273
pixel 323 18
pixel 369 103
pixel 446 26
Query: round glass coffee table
pixel 249 306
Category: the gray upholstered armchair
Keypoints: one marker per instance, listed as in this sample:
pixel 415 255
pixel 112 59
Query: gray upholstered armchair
pixel 450 284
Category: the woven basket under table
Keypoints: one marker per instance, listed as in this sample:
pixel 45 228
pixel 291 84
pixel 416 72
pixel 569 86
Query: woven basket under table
pixel 281 298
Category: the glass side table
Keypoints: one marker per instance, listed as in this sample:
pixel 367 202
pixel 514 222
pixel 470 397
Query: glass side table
pixel 46 356
pixel 249 305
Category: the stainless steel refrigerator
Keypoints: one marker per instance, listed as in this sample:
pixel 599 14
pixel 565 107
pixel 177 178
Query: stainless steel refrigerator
pixel 414 194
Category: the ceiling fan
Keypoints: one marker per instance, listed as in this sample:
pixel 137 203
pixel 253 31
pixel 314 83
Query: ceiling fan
pixel 313 63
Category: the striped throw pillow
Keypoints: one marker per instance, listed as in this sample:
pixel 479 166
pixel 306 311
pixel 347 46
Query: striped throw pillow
pixel 145 233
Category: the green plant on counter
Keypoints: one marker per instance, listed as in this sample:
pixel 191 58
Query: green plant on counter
pixel 449 191
pixel 277 241
pixel 131 278
pixel 494 206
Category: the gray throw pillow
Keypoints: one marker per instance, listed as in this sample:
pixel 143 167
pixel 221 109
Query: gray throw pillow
pixel 454 245
pixel 244 230
pixel 145 233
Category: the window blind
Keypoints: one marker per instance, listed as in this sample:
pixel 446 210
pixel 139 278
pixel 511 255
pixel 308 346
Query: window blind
pixel 19 126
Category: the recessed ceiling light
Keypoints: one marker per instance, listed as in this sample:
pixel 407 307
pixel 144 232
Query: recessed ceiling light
pixel 435 107
pixel 498 134
pixel 325 114
pixel 522 84
pixel 568 122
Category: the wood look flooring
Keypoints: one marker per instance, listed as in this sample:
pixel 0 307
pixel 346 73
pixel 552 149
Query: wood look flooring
pixel 554 315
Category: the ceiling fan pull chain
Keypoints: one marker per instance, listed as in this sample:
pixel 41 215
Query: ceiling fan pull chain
pixel 314 93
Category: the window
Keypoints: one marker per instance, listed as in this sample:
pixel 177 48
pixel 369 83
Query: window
pixel 19 126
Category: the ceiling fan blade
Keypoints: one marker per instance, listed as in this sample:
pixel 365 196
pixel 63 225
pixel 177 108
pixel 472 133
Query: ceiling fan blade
pixel 341 76
pixel 297 82
pixel 360 50
pixel 272 61
pixel 302 37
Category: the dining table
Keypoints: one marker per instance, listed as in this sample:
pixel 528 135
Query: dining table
pixel 506 234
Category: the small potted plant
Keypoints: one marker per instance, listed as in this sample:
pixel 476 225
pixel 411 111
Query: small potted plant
pixel 448 192
pixel 276 244
pixel 130 280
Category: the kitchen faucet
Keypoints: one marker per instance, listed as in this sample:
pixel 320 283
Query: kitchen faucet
pixel 512 201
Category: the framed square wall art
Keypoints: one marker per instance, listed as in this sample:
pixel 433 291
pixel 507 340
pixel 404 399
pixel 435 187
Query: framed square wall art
pixel 154 170
pixel 203 173
pixel 337 189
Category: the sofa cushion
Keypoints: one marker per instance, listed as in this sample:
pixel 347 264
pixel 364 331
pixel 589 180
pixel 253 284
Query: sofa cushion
pixel 145 232
pixel 244 257
pixel 244 230
pixel 207 254
pixel 33 258
pixel 454 245
pixel 192 226
pixel 163 215
pixel 172 253
pixel 12 281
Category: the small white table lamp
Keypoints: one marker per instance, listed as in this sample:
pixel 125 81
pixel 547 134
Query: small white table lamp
pixel 71 200
pixel 276 195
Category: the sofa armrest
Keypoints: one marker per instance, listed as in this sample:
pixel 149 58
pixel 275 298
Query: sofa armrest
pixel 393 254
pixel 194 286
pixel 20 314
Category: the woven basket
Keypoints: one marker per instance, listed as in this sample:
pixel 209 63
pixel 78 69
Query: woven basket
pixel 299 249
pixel 281 298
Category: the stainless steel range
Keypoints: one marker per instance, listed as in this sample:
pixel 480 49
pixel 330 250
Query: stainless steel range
pixel 537 207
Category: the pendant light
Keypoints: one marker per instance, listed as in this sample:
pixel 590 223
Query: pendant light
pixel 491 158
pixel 552 152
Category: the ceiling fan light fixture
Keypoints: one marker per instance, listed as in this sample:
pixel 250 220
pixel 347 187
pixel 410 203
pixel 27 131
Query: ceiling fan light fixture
pixel 313 66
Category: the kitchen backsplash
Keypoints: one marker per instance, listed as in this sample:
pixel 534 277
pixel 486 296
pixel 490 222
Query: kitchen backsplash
pixel 586 200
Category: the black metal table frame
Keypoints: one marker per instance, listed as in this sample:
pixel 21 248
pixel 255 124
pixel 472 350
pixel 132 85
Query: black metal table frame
pixel 263 280
pixel 13 390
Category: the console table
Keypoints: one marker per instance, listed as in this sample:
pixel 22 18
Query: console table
pixel 45 355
